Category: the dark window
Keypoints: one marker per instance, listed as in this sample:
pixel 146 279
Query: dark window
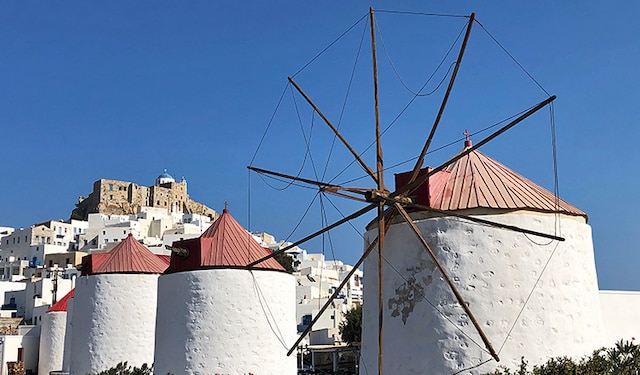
pixel 306 320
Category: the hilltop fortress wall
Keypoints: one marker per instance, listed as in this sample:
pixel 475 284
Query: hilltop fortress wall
pixel 115 197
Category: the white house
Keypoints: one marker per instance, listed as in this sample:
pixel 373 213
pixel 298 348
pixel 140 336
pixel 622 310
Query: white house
pixel 316 280
pixel 27 247
pixel 155 227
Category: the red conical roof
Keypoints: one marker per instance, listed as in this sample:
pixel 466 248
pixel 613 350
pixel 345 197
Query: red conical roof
pixel 229 244
pixel 62 304
pixel 130 256
pixel 225 244
pixel 477 181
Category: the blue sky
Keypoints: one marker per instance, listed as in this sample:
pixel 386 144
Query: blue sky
pixel 123 90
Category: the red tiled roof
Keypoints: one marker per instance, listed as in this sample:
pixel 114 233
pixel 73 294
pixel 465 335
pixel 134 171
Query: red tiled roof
pixel 130 256
pixel 225 244
pixel 477 181
pixel 62 304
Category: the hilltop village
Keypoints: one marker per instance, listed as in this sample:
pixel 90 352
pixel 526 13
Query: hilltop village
pixel 77 293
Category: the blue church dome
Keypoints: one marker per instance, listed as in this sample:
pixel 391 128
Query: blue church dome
pixel 164 177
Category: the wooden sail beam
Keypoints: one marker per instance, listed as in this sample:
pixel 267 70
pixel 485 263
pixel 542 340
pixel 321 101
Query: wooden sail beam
pixel 488 222
pixel 354 215
pixel 445 99
pixel 335 131
pixel 446 277
pixel 364 256
pixel 324 186
pixel 291 177
pixel 381 187
pixel 345 195
pixel 409 188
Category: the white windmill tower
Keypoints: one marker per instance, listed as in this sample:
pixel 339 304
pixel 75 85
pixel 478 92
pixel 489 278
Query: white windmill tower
pixel 215 316
pixel 114 308
pixel 422 238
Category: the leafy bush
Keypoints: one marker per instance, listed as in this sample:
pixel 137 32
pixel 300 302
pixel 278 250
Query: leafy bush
pixel 123 368
pixel 622 359
pixel 351 326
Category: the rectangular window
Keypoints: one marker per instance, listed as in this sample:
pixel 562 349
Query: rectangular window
pixel 110 187
pixel 106 241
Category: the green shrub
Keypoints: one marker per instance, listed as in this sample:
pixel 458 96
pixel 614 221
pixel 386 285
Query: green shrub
pixel 621 359
pixel 123 368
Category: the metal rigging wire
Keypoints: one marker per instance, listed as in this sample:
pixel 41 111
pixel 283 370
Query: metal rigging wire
pixel 346 97
pixel 409 103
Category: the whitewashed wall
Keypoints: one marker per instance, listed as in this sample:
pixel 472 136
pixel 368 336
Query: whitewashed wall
pixel 226 321
pixel 52 334
pixel 495 271
pixel 620 315
pixel 113 321
pixel 68 337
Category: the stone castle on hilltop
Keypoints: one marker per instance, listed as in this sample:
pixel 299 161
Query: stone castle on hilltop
pixel 115 197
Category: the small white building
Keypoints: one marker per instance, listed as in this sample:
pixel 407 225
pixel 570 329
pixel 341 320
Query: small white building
pixel 217 316
pixel 27 247
pixel 33 243
pixel 316 280
pixel 154 226
pixel 22 346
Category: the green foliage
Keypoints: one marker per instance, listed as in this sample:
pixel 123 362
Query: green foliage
pixel 622 359
pixel 351 326
pixel 123 368
pixel 285 260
